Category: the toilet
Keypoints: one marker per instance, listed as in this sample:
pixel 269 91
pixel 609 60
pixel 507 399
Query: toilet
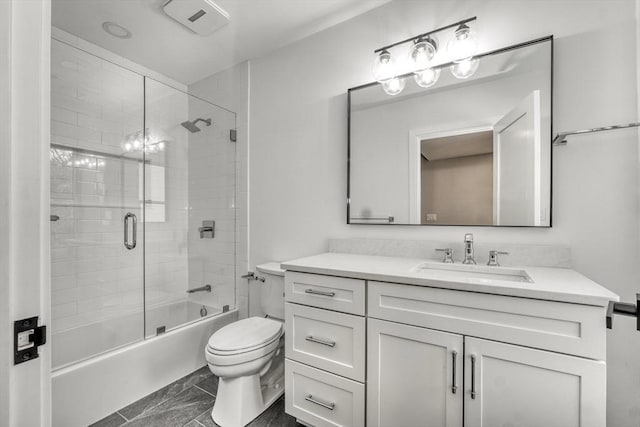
pixel 248 356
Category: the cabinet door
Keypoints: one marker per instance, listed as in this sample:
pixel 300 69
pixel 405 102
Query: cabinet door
pixel 508 385
pixel 414 376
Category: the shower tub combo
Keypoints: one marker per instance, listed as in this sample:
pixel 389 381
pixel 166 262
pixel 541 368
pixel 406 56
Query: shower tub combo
pixel 142 215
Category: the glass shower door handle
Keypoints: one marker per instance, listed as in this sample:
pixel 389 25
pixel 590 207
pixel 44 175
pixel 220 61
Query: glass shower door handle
pixel 134 221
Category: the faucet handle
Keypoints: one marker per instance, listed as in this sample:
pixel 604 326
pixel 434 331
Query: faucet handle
pixel 468 237
pixel 493 258
pixel 448 255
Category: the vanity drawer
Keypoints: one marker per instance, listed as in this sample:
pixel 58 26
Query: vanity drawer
pixel 325 339
pixel 562 327
pixel 333 293
pixel 322 399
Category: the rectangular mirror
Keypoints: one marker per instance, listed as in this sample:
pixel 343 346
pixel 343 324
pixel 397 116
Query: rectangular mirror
pixel 474 151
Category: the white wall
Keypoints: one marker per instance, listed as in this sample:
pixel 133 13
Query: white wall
pixel 299 140
pixel 5 209
pixel 24 200
pixel 230 89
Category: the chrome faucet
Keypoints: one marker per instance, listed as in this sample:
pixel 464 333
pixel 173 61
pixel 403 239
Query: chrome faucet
pixel 448 255
pixel 468 249
pixel 206 288
pixel 493 258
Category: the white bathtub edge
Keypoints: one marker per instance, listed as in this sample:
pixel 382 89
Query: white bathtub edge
pixel 89 391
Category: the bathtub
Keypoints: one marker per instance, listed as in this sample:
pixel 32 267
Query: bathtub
pixel 89 390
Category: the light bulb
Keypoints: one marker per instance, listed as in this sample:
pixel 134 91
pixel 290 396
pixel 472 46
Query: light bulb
pixel 465 69
pixel 383 66
pixel 422 53
pixel 427 78
pixel 394 85
pixel 463 44
pixel 127 146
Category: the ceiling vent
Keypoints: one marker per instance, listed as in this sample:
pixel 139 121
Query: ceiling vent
pixel 203 17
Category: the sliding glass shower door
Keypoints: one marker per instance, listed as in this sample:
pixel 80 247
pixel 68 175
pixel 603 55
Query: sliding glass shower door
pixel 143 212
pixel 96 216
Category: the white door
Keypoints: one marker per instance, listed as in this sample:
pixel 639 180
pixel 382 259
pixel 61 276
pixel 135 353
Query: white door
pixel 414 376
pixel 508 385
pixel 25 34
pixel 517 156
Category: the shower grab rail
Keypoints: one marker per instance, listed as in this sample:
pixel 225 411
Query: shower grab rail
pixel 134 233
pixel 206 288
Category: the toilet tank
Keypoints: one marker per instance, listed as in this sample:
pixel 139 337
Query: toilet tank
pixel 272 289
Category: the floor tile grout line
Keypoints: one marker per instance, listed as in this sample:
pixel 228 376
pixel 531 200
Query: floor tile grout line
pixel 201 414
pixel 125 418
pixel 200 388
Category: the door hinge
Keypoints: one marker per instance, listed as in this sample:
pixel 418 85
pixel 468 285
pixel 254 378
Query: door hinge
pixel 233 135
pixel 28 336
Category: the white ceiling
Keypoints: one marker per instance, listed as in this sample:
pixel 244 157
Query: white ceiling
pixel 256 28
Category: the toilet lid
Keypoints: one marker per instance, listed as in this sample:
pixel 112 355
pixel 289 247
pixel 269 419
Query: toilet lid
pixel 245 334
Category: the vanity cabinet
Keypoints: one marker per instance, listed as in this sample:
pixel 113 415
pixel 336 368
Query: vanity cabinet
pixel 325 349
pixel 415 374
pixel 439 357
pixel 515 384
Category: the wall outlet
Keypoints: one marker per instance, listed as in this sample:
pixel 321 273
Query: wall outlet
pixel 432 217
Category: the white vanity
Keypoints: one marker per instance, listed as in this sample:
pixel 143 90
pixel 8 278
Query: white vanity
pixel 393 342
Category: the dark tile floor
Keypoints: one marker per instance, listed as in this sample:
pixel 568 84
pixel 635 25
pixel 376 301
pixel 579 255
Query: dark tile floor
pixel 187 403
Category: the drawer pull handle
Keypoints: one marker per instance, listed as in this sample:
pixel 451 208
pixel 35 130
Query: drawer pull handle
pixel 320 341
pixel 329 406
pixel 473 376
pixel 323 293
pixel 454 387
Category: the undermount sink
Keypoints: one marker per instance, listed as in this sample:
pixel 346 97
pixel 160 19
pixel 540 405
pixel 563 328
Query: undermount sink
pixel 470 273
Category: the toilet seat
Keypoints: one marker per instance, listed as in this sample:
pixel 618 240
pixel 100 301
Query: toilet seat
pixel 243 341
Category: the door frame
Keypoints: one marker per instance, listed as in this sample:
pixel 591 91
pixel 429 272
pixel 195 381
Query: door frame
pixel 416 136
pixel 25 81
pixel 519 111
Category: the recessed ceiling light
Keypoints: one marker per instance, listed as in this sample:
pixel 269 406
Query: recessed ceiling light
pixel 116 30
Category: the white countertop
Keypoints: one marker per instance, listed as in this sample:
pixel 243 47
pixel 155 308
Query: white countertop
pixel 553 284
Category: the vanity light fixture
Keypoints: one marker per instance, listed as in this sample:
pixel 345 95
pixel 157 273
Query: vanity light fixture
pixel 426 61
pixel 465 69
pixel 422 54
pixel 427 78
pixel 394 85
pixel 383 66
pixel 463 44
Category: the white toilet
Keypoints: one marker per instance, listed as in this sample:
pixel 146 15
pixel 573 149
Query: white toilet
pixel 248 356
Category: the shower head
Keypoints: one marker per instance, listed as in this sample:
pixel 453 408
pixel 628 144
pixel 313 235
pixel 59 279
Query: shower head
pixel 191 126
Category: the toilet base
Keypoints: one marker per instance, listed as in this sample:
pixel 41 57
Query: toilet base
pixel 240 400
